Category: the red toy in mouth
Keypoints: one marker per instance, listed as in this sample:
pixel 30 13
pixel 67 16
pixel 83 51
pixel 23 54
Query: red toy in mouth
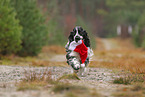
pixel 82 50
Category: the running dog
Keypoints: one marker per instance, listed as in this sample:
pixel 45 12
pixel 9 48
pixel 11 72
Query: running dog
pixel 78 50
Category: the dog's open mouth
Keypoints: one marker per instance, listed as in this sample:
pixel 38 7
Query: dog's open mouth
pixel 77 38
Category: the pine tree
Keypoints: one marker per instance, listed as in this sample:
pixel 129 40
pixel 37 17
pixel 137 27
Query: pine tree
pixel 10 30
pixel 34 34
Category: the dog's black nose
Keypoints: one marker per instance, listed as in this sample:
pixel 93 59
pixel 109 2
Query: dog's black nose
pixel 77 38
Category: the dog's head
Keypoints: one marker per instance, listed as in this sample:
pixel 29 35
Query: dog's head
pixel 79 34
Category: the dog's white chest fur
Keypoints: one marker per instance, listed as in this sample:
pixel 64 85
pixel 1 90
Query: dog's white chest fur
pixel 74 44
pixel 73 53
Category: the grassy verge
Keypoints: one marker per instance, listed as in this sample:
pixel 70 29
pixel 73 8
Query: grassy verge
pixel 35 81
pixel 75 90
pixel 125 57
pixel 70 76
pixel 30 61
pixel 132 61
pixel 41 60
pixel 137 90
pixel 130 79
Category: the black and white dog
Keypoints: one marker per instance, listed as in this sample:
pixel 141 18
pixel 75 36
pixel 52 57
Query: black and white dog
pixel 78 50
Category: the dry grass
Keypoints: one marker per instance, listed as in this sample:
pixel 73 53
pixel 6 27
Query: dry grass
pixel 30 86
pixel 128 94
pixel 35 81
pixel 130 79
pixel 126 57
pixel 16 60
pixel 99 45
pixel 134 64
pixel 75 90
pixel 53 49
pixel 137 90
pixel 63 87
pixel 40 61
pixel 139 87
pixel 70 76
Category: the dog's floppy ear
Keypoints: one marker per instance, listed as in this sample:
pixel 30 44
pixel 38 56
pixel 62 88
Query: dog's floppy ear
pixel 71 37
pixel 86 39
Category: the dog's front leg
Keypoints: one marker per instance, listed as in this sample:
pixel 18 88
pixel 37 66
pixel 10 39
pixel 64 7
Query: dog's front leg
pixel 82 70
pixel 75 64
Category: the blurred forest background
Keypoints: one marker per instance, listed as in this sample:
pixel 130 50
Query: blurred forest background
pixel 27 25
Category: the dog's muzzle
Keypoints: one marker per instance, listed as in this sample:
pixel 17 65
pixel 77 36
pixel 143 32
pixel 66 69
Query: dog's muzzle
pixel 77 38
